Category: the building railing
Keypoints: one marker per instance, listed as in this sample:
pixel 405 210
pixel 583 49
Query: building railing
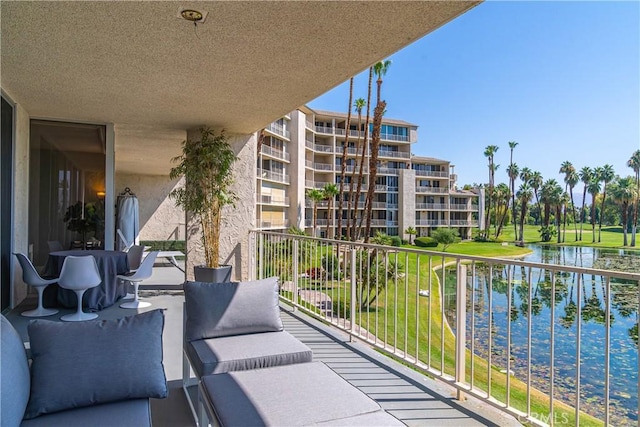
pixel 463 222
pixel 279 130
pixel 431 173
pixel 432 222
pixel 391 137
pixel 388 171
pixel 394 154
pixel 491 328
pixel 431 206
pixel 434 190
pixel 324 129
pixel 460 207
pixel 321 204
pixel 266 199
pixel 273 176
pixel 273 152
pixel 275 223
pixel 323 166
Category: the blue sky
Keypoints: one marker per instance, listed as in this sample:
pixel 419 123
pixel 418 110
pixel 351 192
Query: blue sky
pixel 560 78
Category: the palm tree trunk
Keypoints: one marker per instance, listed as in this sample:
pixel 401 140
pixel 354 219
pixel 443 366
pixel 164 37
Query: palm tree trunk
pixel 582 218
pixel 604 198
pixel 373 164
pixel 593 218
pixel 329 215
pixel 573 210
pixel 634 223
pixel 343 170
pixel 315 217
pixel 625 218
pixel 357 231
pixel 352 183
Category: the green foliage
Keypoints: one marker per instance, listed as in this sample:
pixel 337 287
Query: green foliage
pixel 445 236
pixel 165 245
pixel 547 232
pixel 426 242
pixel 91 221
pixel 396 241
pixel 206 164
pixel 331 265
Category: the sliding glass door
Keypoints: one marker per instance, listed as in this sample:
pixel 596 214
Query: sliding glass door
pixel 6 204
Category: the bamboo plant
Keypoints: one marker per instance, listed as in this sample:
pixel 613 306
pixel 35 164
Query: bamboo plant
pixel 206 163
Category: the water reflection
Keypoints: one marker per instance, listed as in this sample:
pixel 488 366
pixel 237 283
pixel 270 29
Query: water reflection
pixel 570 296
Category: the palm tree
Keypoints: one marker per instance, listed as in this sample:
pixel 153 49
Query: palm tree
pixel 525 175
pixel 330 191
pixel 358 105
pixel 489 152
pixel 566 168
pixel 634 163
pixel 606 176
pixel 561 201
pixel 513 173
pixel 343 168
pixel 572 180
pixel 585 175
pixel 316 196
pixel 535 181
pixel 380 68
pixel 624 192
pixel 549 195
pixel 594 188
pixel 411 232
pixel 525 193
pixel 357 232
pixel 501 198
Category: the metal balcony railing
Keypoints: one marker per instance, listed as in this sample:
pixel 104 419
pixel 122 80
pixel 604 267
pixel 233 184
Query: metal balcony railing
pixel 431 173
pixel 394 154
pixel 432 222
pixel 273 224
pixel 273 152
pixel 460 207
pixel 491 328
pixel 324 129
pixel 431 206
pixel 274 200
pixel 433 190
pixel 279 130
pixel 273 176
pixel 391 137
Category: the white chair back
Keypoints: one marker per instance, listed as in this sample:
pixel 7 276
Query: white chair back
pixel 146 268
pixel 30 275
pixel 79 272
pixel 134 257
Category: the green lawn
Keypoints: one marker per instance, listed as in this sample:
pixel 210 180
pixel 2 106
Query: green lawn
pixel 611 236
pixel 414 324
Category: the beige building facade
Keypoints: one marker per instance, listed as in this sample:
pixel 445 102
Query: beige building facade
pixel 303 150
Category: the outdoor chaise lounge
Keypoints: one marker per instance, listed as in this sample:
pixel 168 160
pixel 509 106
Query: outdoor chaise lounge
pixel 93 373
pixel 252 372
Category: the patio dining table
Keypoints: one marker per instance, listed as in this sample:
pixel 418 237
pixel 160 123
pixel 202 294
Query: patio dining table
pixel 110 290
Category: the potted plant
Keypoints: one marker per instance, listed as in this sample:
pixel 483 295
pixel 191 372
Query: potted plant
pixel 83 218
pixel 206 164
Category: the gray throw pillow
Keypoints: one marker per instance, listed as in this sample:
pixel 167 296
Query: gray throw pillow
pixel 93 362
pixel 224 309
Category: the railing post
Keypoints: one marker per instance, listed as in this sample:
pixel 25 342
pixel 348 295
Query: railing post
pixel 261 256
pixel 296 245
pixel 461 320
pixel 252 255
pixel 353 280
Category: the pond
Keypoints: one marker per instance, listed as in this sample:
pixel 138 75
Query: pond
pixel 624 326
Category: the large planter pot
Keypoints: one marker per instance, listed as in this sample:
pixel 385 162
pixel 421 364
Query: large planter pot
pixel 220 274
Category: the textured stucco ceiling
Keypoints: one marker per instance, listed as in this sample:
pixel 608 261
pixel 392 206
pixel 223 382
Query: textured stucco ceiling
pixel 136 63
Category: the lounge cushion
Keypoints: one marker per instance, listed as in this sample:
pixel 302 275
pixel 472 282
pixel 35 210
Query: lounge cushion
pixel 94 362
pixel 304 394
pixel 225 309
pixel 243 352
pixel 128 413
pixel 14 375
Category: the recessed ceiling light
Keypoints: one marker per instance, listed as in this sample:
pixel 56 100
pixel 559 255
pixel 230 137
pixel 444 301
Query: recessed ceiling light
pixel 192 15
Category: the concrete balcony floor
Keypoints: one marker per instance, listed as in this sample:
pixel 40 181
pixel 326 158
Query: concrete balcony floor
pixel 409 396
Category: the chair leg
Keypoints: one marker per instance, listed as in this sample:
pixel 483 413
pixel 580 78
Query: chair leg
pixel 136 303
pixel 79 315
pixel 40 311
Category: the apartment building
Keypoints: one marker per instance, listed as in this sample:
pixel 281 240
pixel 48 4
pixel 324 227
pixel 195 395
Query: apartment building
pixel 304 150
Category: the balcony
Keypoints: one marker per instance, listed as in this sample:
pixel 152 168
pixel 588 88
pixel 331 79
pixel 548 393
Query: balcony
pixel 432 222
pixel 275 153
pixel 274 200
pixel 323 166
pixel 394 154
pixel 324 129
pixel 455 332
pixel 274 224
pixel 431 190
pixel 278 130
pixel 320 148
pixel 462 223
pixel 388 171
pixel 431 206
pixel 436 174
pixel 460 207
pixel 273 176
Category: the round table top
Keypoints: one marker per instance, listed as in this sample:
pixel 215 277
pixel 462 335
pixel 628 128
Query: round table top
pixel 94 252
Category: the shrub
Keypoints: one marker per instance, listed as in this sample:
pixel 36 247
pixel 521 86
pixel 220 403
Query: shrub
pixel 426 242
pixel 396 241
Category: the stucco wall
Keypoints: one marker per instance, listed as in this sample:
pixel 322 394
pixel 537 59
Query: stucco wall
pixel 20 199
pixel 237 220
pixel 160 219
pixel 406 201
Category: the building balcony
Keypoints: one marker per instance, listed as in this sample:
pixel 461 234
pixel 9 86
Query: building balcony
pixel 274 224
pixel 431 206
pixel 275 153
pixel 273 176
pixel 321 204
pixel 431 190
pixel 431 173
pixel 394 154
pixel 324 129
pixel 462 223
pixel 432 222
pixel 388 171
pixel 460 207
pixel 274 201
pixel 323 166
pixel 278 130
pixel 390 137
